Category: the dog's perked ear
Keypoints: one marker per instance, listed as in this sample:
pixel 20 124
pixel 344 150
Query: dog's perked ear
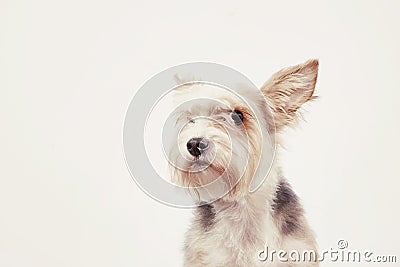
pixel 288 89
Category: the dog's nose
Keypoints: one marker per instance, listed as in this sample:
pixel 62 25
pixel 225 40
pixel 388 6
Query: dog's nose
pixel 196 146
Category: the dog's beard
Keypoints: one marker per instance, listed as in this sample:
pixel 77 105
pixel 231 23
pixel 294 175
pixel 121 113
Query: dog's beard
pixel 215 173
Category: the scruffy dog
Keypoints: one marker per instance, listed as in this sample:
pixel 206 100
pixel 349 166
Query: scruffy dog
pixel 214 138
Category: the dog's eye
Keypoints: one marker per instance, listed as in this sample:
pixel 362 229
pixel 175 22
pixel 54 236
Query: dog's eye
pixel 237 117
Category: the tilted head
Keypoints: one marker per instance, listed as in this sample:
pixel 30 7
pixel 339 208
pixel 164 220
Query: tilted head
pixel 222 135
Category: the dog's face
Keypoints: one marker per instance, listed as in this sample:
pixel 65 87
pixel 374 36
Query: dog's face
pixel 220 135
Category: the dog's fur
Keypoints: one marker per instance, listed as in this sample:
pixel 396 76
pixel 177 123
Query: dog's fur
pixel 231 230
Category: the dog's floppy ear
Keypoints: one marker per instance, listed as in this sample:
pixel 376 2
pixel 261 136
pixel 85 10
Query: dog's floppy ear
pixel 290 88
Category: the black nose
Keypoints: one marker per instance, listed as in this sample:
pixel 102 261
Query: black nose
pixel 196 146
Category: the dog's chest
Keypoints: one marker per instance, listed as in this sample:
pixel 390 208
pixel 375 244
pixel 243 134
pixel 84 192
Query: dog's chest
pixel 229 237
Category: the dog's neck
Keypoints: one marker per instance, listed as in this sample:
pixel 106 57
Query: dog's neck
pixel 257 199
pixel 243 221
pixel 249 207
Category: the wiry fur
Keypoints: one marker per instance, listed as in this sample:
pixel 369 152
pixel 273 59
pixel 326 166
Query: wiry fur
pixel 231 230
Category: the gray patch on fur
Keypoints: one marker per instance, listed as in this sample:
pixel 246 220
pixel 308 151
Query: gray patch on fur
pixel 206 216
pixel 287 209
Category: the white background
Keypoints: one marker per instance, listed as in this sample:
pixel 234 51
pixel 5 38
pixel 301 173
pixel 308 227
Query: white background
pixel 68 70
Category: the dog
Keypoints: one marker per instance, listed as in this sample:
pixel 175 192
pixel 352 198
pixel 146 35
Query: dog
pixel 220 133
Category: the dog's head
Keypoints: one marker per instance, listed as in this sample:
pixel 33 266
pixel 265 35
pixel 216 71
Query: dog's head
pixel 220 134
